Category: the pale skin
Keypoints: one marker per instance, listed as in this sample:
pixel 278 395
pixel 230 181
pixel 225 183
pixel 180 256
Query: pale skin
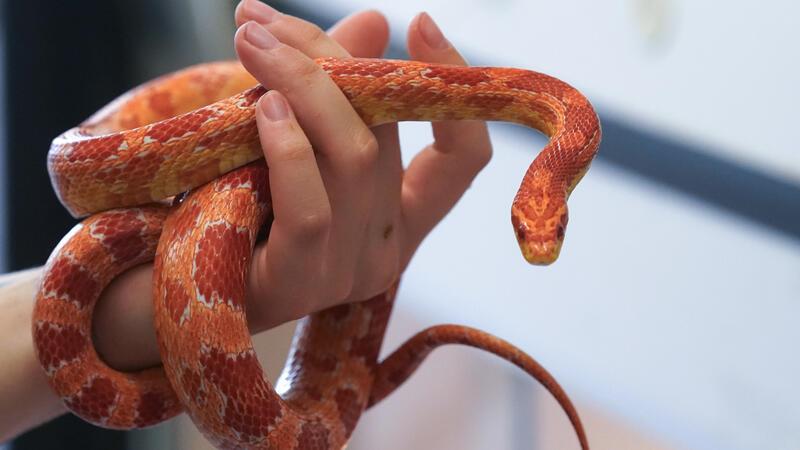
pixel 340 193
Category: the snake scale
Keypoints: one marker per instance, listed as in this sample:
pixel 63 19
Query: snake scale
pixel 194 131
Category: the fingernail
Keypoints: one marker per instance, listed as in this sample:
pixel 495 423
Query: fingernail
pixel 259 36
pixel 431 33
pixel 260 12
pixel 274 106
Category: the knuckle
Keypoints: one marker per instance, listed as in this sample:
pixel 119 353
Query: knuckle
pixel 292 61
pixel 364 154
pixel 314 34
pixel 292 149
pixel 312 223
pixel 483 155
pixel 300 34
pixel 303 68
pixel 483 150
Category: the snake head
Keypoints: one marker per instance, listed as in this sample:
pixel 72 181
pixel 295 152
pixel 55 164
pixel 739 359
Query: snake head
pixel 540 236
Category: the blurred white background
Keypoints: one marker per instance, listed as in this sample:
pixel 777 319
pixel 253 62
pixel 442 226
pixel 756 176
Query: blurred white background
pixel 721 75
pixel 665 317
pixel 670 320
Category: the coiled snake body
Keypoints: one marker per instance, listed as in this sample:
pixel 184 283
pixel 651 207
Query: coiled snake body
pixel 195 129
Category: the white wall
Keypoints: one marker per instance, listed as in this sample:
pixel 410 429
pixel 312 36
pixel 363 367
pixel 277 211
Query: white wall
pixel 674 315
pixel 723 74
pixel 668 313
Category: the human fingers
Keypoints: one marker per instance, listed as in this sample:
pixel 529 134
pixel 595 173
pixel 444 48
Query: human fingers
pixel 346 148
pixel 284 267
pixel 383 239
pixel 295 32
pixel 442 172
pixel 364 34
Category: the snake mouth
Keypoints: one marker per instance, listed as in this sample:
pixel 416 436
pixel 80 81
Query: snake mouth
pixel 540 254
pixel 537 248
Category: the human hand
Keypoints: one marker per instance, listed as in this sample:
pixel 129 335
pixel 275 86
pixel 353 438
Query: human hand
pixel 347 216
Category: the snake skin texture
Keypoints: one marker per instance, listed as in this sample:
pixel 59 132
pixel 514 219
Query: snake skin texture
pixel 194 131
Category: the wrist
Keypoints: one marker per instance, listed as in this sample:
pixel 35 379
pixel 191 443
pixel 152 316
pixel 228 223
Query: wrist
pixel 26 399
pixel 123 326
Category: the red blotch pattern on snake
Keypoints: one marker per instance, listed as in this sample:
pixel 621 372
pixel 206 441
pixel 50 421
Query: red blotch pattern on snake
pixel 195 130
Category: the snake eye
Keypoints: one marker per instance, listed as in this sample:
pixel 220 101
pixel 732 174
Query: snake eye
pixel 520 227
pixel 562 226
pixel 179 198
pixel 560 231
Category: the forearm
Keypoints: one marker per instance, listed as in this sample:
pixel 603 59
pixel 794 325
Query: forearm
pixel 123 333
pixel 26 399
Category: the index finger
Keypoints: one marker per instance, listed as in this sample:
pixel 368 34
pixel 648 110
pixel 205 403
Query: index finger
pixel 295 32
pixel 440 174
